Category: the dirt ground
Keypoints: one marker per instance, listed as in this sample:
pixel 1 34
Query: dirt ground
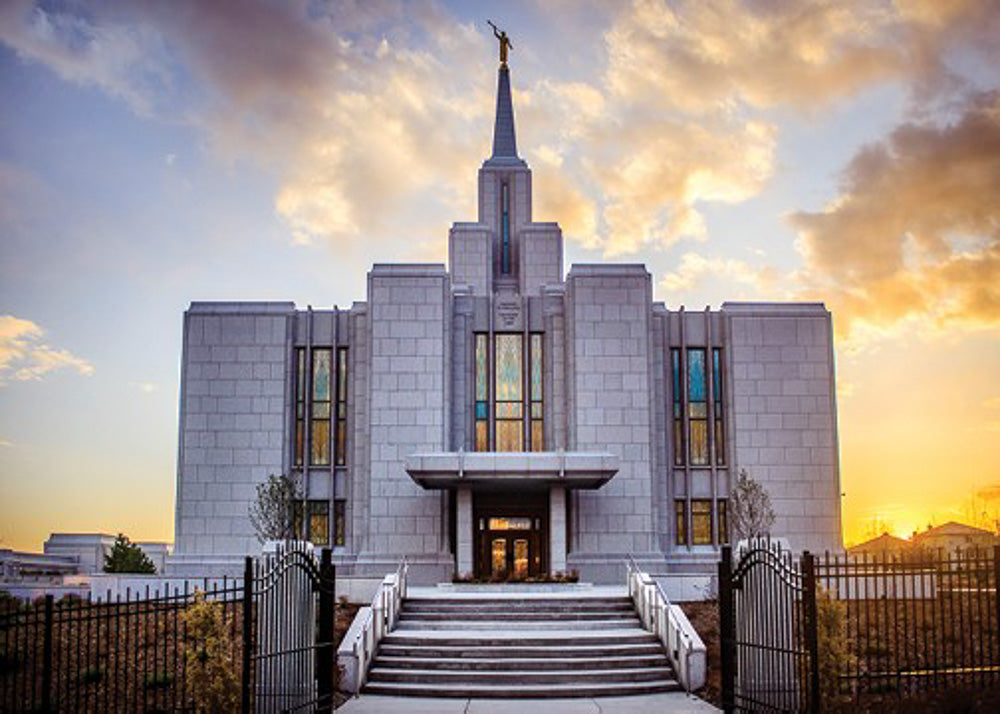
pixel 704 617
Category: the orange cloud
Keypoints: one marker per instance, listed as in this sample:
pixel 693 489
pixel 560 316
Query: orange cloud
pixel 24 357
pixel 915 231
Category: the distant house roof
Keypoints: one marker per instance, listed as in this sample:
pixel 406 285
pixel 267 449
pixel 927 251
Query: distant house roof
pixel 883 542
pixel 953 528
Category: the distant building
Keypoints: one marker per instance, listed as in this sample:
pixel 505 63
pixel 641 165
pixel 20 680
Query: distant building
pixel 500 417
pixel 884 544
pixel 953 536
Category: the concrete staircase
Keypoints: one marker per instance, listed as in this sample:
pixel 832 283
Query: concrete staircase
pixel 576 642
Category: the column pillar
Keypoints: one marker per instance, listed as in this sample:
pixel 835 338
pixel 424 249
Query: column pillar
pixel 557 529
pixel 463 530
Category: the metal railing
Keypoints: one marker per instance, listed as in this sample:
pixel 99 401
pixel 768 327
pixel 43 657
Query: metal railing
pixel 371 624
pixel 668 622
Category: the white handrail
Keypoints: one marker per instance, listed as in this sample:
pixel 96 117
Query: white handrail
pixel 370 625
pixel 670 625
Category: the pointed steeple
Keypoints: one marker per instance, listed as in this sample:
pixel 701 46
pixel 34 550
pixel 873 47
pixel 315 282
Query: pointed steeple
pixel 504 141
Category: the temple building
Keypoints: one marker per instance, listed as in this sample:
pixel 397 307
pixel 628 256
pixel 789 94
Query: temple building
pixel 499 418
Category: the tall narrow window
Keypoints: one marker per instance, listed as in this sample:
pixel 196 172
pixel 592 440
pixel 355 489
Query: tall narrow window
pixel 720 441
pixel 505 228
pixel 300 404
pixel 341 453
pixel 721 507
pixel 537 432
pixel 681 522
pixel 482 394
pixel 697 407
pixel 320 435
pixel 675 368
pixel 319 522
pixel 339 526
pixel 509 393
pixel 701 522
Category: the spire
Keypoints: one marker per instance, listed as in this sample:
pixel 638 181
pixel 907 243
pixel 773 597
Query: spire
pixel 504 142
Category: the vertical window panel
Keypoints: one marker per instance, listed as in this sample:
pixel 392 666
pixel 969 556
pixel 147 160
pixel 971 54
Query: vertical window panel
pixel 319 522
pixel 701 522
pixel 300 405
pixel 536 391
pixel 721 508
pixel 719 433
pixel 697 407
pixel 339 522
pixel 509 392
pixel 482 393
pixel 680 522
pixel 505 228
pixel 341 435
pixel 677 413
pixel 321 395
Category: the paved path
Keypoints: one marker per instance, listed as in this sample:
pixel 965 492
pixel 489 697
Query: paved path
pixel 671 703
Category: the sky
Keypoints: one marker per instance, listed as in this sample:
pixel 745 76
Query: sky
pixel 153 154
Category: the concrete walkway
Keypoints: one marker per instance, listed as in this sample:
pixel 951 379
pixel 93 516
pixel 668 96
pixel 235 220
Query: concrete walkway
pixel 671 703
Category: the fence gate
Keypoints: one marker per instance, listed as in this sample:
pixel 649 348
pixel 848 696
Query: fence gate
pixel 767 609
pixel 288 631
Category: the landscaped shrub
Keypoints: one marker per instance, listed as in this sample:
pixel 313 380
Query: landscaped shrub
pixel 834 656
pixel 210 655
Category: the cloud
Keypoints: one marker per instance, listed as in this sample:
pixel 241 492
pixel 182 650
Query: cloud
pixel 145 387
pixel 693 268
pixel 24 357
pixel 803 54
pixel 915 230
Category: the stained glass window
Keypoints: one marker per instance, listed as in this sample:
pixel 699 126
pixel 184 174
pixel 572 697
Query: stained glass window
pixel 697 407
pixel 319 522
pixel 701 522
pixel 678 417
pixel 320 435
pixel 680 522
pixel 482 416
pixel 300 404
pixel 509 382
pixel 339 525
pixel 537 432
pixel 341 441
pixel 720 507
pixel 719 434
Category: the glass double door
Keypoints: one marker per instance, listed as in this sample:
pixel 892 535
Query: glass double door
pixel 509 547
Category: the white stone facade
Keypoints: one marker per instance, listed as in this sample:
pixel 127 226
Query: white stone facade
pixel 413 394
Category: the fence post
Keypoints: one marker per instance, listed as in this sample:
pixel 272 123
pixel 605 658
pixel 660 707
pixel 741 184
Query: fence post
pixel 325 633
pixel 247 633
pixel 727 630
pixel 812 628
pixel 47 657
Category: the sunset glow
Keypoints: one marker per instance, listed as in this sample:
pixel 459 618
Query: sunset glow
pixel 155 154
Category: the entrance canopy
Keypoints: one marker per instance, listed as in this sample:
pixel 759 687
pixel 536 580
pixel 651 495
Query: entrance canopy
pixel 502 470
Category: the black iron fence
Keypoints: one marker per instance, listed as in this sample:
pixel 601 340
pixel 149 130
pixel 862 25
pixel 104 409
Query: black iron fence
pixel 272 645
pixel 836 631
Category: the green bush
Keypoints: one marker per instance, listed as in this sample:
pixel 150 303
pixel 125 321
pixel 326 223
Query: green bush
pixel 210 655
pixel 835 656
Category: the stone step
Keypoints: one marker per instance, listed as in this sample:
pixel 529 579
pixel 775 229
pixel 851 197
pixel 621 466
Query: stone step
pixel 381 673
pixel 515 639
pixel 536 604
pixel 473 616
pixel 494 624
pixel 557 649
pixel 524 691
pixel 557 662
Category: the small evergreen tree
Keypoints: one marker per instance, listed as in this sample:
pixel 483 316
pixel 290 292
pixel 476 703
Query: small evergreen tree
pixel 272 513
pixel 752 514
pixel 127 557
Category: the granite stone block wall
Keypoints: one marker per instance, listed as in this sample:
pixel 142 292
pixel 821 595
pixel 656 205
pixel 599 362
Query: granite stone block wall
pixel 232 430
pixel 408 397
pixel 784 416
pixel 609 310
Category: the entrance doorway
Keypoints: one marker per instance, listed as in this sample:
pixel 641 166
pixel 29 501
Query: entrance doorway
pixel 510 537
